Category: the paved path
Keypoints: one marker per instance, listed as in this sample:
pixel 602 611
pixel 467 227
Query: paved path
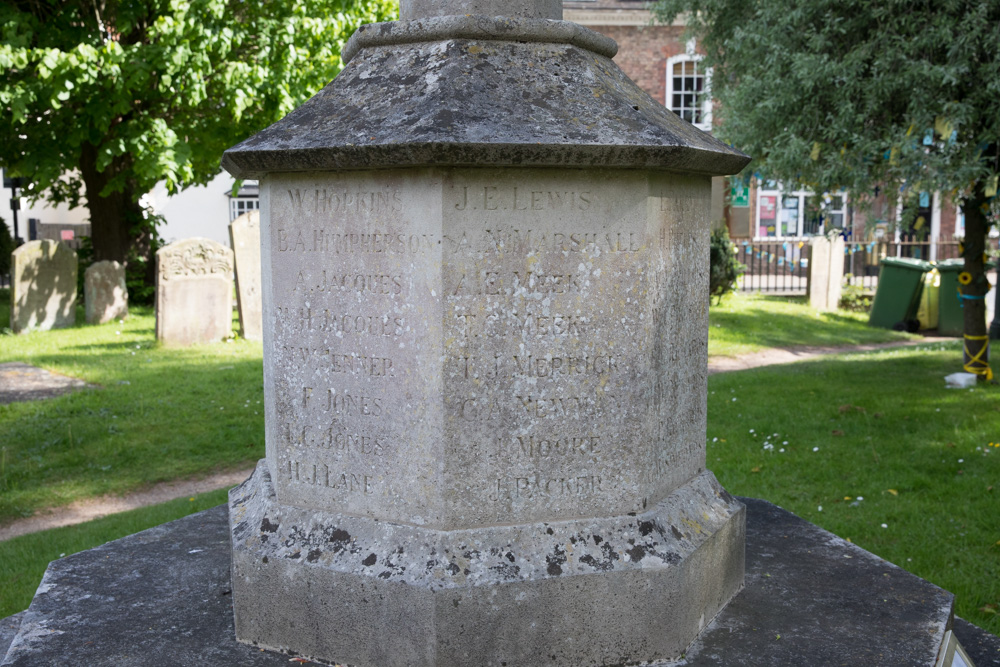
pixel 95 508
pixel 23 382
pixel 774 356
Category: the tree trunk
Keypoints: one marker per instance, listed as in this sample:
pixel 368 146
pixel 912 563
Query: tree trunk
pixel 112 217
pixel 977 354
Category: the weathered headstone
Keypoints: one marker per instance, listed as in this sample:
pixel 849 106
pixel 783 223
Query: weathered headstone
pixel 105 293
pixel 194 292
pixel 43 286
pixel 485 384
pixel 826 273
pixel 244 234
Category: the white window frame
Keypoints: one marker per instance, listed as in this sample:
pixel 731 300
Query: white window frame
pixel 779 194
pixel 243 204
pixel 706 94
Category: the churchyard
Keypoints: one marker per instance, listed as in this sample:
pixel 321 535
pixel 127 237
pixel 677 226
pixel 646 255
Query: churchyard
pixel 483 402
pixel 849 442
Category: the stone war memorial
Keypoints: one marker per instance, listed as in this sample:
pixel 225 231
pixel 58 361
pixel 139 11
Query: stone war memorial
pixel 105 293
pixel 43 286
pixel 194 292
pixel 484 275
pixel 485 289
pixel 244 236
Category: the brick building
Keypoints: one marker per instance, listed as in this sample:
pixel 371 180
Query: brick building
pixel 667 66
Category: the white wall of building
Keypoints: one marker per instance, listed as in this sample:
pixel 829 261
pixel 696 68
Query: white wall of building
pixel 201 210
pixel 42 211
pixel 197 211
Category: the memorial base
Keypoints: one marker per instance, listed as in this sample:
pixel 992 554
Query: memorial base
pixel 618 590
pixel 163 597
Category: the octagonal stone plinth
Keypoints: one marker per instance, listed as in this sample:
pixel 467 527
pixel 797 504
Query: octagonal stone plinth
pixel 485 418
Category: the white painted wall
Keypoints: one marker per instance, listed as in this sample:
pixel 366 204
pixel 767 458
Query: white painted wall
pixel 41 210
pixel 197 211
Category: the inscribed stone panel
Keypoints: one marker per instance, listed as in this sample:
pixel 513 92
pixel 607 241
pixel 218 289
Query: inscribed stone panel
pixel 549 280
pixel 350 268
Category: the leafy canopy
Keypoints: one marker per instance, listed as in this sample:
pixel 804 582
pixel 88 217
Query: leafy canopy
pixel 853 94
pixel 152 90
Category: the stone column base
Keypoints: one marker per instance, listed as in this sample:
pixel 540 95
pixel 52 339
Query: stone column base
pixel 619 590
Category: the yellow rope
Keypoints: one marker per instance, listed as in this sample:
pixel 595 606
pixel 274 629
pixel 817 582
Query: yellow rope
pixel 976 363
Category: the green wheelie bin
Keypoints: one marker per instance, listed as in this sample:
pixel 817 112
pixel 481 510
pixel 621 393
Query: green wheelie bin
pixel 950 319
pixel 898 293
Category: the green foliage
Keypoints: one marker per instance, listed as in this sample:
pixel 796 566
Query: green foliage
pixel 841 94
pixel 113 97
pixel 902 467
pixel 724 269
pixel 6 248
pixel 854 297
pixel 863 96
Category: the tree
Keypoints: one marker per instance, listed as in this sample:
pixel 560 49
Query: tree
pixel 863 94
pixel 101 99
pixel 6 248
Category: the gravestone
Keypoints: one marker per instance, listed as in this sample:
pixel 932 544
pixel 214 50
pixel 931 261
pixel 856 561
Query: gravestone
pixel 194 292
pixel 485 357
pixel 826 273
pixel 105 293
pixel 43 287
pixel 244 235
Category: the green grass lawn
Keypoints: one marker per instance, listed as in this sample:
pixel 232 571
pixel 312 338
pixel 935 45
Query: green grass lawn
pixel 158 414
pixel 745 323
pixel 873 448
pixel 883 427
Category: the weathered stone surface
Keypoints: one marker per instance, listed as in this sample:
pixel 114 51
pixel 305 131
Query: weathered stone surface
pixel 549 9
pixel 43 287
pixel 24 382
pixel 826 273
pixel 8 630
pixel 194 292
pixel 477 28
pixel 466 597
pixel 480 101
pixel 105 294
pixel 459 350
pixel 162 596
pixel 244 235
pixel 467 348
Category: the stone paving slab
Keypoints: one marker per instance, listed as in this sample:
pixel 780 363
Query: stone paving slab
pixel 8 630
pixel 24 382
pixel 163 597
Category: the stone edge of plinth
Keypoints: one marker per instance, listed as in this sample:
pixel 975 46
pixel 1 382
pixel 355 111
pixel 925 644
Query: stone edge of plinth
pixel 664 535
pixel 765 523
